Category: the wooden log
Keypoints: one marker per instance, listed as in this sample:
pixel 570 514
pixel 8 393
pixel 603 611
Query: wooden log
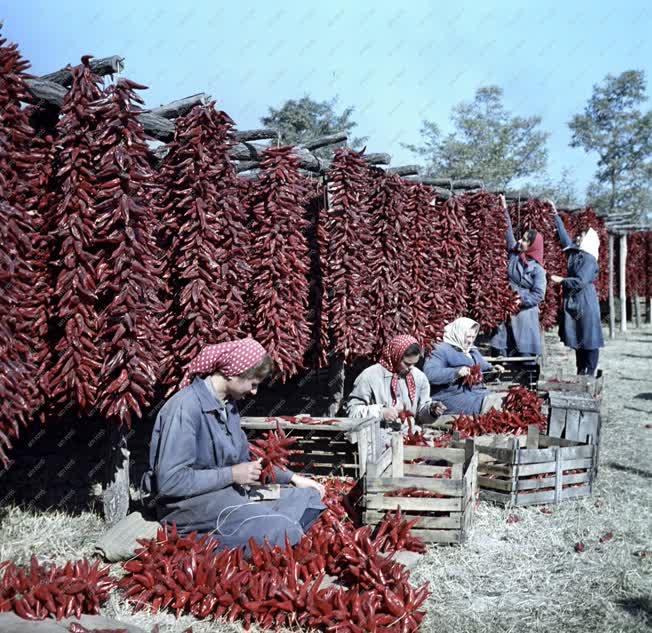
pixel 180 107
pixel 256 135
pixel 156 126
pixel 612 305
pixel 404 170
pixel 522 196
pixel 46 91
pixel 623 283
pixel 377 159
pixel 99 65
pixel 469 183
pixel 247 165
pixel 445 183
pixel 325 141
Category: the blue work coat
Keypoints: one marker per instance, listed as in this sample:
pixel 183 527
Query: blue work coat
pixel 579 324
pixel 195 441
pixel 521 334
pixel 442 367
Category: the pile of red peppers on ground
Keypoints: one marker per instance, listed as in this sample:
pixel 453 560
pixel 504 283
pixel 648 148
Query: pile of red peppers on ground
pixel 272 588
pixel 282 586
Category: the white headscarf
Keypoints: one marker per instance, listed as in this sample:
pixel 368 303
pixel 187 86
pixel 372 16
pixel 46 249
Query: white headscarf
pixel 455 333
pixel 590 243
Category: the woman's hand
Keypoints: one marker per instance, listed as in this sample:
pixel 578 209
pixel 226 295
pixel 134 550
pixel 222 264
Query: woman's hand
pixel 437 408
pixel 503 202
pixel 464 371
pixel 247 473
pixel 556 279
pixel 499 368
pixel 390 414
pixel 552 204
pixel 305 482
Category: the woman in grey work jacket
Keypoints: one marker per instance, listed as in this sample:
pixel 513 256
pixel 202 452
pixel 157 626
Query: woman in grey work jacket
pixel 580 326
pixel 199 457
pixel 520 335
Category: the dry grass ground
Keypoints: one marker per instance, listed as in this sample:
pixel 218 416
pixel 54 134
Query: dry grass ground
pixel 509 577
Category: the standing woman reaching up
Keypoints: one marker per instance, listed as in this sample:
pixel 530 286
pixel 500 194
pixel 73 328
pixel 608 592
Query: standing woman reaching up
pixel 520 335
pixel 579 325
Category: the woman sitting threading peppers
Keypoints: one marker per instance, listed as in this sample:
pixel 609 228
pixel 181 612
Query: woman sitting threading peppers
pixel 199 456
pixel 393 386
pixel 451 362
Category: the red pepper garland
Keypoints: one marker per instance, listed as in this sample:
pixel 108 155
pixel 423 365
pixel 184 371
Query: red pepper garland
pixel 204 235
pixel 418 265
pixel 42 591
pixel 279 258
pixel 449 257
pixel 346 237
pixel 391 285
pixel 535 214
pixel 25 293
pixel 636 278
pixel 491 300
pixel 474 377
pixel 274 451
pixel 75 374
pixel 132 341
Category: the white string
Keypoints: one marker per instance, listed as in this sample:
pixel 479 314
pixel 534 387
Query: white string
pixel 257 516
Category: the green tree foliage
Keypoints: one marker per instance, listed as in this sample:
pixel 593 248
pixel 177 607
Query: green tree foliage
pixel 300 120
pixel 487 142
pixel 614 127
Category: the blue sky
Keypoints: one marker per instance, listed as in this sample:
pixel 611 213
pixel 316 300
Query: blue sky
pixel 396 64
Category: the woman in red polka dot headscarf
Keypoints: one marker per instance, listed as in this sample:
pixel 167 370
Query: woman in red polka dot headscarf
pixel 394 385
pixel 201 472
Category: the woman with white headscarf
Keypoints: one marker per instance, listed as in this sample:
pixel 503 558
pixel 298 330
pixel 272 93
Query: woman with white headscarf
pixel 579 326
pixel 449 364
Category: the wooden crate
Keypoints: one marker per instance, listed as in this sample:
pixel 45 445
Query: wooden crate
pixel 342 449
pixel 511 473
pixel 442 520
pixel 574 384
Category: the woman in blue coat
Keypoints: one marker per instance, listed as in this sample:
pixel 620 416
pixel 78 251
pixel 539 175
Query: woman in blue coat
pixel 521 334
pixel 200 469
pixel 450 362
pixel 579 326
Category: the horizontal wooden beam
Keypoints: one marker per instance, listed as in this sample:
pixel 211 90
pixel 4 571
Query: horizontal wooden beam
pixel 180 107
pixel 99 65
pixel 469 183
pixel 260 134
pixel 404 170
pixel 325 141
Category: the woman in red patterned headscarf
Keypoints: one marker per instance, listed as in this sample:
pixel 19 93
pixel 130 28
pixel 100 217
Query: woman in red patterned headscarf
pixel 200 467
pixel 394 385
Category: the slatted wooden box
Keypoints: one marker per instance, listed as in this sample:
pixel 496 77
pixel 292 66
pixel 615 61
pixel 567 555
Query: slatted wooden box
pixel 536 469
pixel 442 520
pixel 340 449
pixel 575 409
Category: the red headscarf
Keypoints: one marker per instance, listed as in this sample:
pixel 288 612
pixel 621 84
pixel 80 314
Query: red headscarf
pixel 534 250
pixel 391 361
pixel 230 359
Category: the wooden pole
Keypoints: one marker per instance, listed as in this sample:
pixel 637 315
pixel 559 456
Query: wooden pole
pixel 612 307
pixel 623 282
pixel 116 487
pixel 649 310
pixel 637 311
